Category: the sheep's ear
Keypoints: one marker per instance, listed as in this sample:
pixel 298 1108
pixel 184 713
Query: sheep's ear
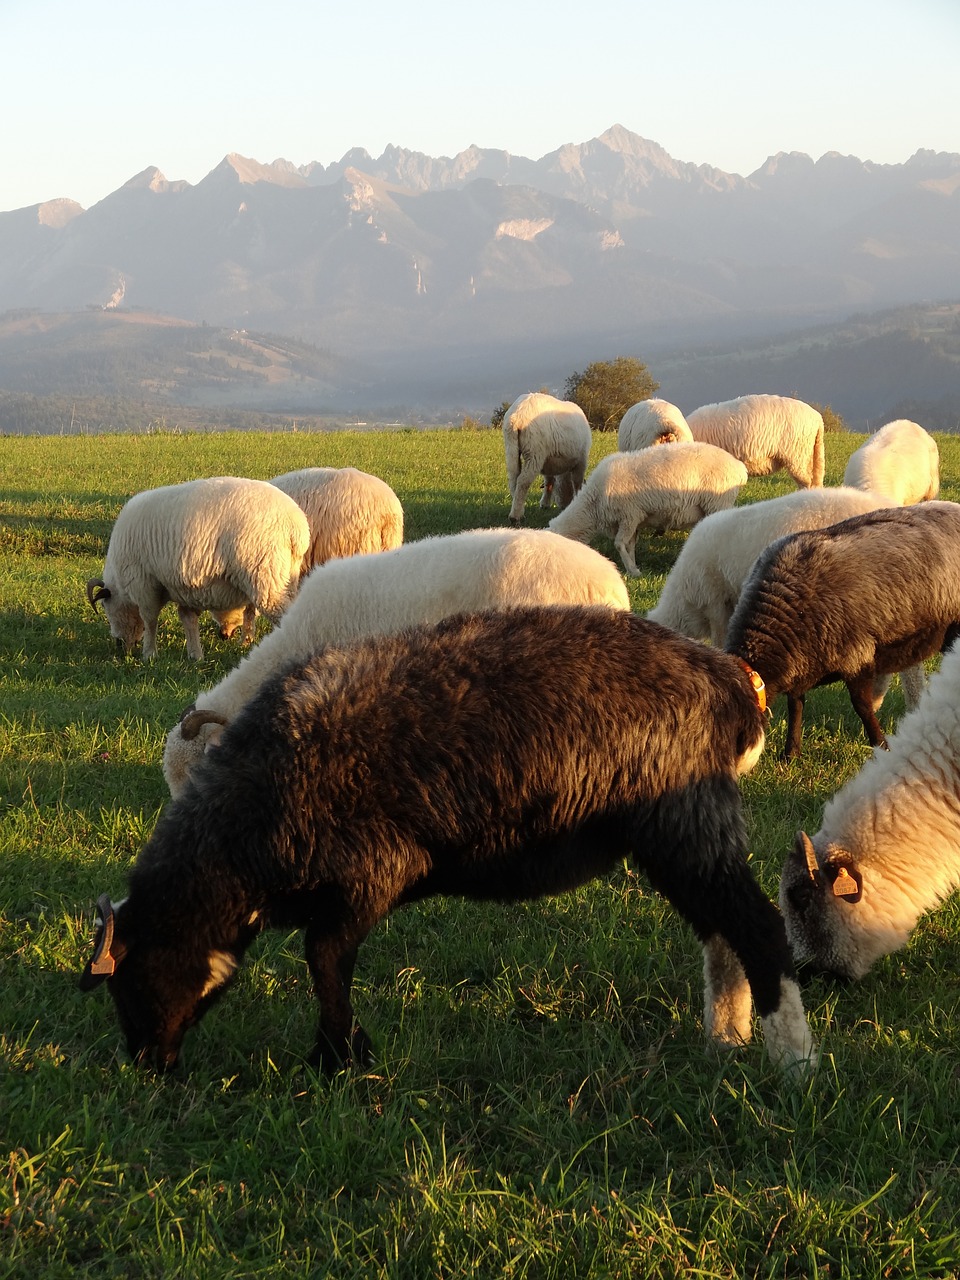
pixel 107 953
pixel 806 852
pixel 844 877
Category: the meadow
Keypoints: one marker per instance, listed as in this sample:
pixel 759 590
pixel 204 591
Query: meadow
pixel 541 1102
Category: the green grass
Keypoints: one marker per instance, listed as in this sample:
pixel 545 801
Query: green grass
pixel 541 1104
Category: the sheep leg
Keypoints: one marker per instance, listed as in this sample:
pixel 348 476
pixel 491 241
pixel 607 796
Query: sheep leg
pixel 150 622
pixel 791 747
pixel 249 623
pixel 626 545
pixel 190 620
pixel 913 681
pixel 727 1002
pixel 525 479
pixel 332 959
pixel 567 488
pixel 546 498
pixel 745 944
pixel 861 695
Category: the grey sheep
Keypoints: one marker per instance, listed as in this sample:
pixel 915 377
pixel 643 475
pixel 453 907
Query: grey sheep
pixel 860 599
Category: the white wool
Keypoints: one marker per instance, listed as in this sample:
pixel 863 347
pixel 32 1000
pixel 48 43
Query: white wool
pixel 545 436
pixel 898 821
pixel 665 488
pixel 217 544
pixel 349 512
pixel 767 433
pixel 901 460
pixel 651 422
pixel 420 582
pixel 704 584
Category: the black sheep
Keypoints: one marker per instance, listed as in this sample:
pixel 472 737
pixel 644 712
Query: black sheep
pixel 860 599
pixel 496 756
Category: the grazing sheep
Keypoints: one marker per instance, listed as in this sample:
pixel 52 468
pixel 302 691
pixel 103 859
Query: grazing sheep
pixel 349 512
pixel 548 437
pixel 668 488
pixel 374 594
pixel 889 846
pixel 702 588
pixel 900 460
pixel 863 598
pixel 218 544
pixel 230 621
pixel 651 422
pixel 496 756
pixel 767 434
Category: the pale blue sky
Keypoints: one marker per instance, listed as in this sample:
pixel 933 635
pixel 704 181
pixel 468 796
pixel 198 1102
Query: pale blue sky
pixel 93 91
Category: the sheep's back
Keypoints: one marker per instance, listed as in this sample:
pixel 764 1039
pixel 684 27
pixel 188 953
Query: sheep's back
pixel 379 733
pixel 824 601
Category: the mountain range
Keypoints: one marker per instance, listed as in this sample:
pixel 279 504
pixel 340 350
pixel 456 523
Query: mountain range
pixel 425 271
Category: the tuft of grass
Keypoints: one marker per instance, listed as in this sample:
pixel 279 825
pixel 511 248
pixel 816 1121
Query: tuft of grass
pixel 541 1104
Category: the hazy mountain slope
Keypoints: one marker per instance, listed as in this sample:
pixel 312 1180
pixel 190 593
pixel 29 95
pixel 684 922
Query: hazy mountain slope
pixel 408 251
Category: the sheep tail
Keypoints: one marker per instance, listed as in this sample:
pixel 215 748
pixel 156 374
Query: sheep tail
pixel 816 479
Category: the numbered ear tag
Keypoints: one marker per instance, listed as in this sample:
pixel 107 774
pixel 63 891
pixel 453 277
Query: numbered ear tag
pixel 845 886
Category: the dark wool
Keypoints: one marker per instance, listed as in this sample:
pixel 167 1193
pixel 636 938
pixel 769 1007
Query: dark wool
pixel 867 597
pixel 495 756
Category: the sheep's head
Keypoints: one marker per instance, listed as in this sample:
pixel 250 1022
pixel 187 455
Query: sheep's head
pixel 126 624
pixel 187 742
pixel 820 887
pixel 160 987
pixel 229 622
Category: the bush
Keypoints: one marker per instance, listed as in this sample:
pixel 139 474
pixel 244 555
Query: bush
pixel 607 388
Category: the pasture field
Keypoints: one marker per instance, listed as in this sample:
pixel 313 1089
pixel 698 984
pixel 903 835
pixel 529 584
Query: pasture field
pixel 541 1103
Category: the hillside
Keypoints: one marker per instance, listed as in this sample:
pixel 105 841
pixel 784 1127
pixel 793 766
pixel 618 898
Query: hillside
pixel 97 370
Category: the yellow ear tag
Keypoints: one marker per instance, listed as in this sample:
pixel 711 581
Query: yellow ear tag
pixel 845 886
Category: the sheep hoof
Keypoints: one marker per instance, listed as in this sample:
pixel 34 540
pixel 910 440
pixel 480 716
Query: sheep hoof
pixel 330 1058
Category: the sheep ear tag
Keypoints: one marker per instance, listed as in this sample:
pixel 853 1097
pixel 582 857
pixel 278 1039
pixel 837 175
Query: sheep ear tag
pixel 756 682
pixel 102 964
pixel 848 883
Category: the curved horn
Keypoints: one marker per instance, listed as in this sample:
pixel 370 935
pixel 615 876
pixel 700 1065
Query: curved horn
pixel 103 962
pixel 102 592
pixel 810 856
pixel 192 721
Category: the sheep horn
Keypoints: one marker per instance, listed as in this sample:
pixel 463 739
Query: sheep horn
pixel 192 721
pixel 102 592
pixel 103 962
pixel 810 857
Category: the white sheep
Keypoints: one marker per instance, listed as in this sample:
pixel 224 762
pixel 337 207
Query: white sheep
pixel 545 436
pixel 901 460
pixel 652 422
pixel 888 848
pixel 767 433
pixel 669 488
pixel 420 582
pixel 220 544
pixel 349 511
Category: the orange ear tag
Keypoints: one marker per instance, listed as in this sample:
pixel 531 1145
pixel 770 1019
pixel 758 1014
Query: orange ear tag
pixel 756 680
pixel 845 886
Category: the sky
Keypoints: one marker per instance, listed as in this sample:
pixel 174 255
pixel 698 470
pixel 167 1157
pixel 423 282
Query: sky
pixel 92 93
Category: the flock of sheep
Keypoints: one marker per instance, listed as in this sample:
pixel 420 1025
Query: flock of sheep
pixel 481 715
